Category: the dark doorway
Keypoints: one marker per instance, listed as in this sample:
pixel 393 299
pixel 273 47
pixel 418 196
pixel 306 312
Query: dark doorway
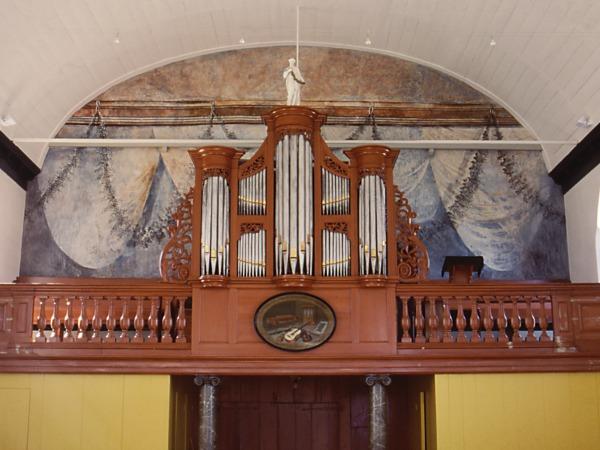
pixel 303 413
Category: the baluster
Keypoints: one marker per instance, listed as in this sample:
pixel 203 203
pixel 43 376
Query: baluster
pixel 69 322
pixel 138 321
pixel 432 321
pixel 501 321
pixel 124 321
pixel 543 320
pixel 96 321
pixel 405 322
pixel 153 321
pixel 474 321
pixel 515 321
pixel 461 321
pixel 529 321
pixel 55 321
pixel 488 320
pixel 447 321
pixel 111 321
pixel 180 322
pixel 167 321
pixel 40 336
pixel 419 320
pixel 82 321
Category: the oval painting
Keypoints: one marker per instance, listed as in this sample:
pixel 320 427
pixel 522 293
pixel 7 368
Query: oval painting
pixel 294 321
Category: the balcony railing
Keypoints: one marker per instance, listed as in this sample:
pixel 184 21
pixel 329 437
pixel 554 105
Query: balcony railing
pixel 494 320
pixel 149 326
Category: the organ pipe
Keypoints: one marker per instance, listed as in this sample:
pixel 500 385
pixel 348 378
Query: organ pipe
pixel 251 254
pixel 215 226
pixel 294 205
pixel 371 226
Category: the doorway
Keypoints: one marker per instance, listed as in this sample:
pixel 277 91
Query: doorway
pixel 302 413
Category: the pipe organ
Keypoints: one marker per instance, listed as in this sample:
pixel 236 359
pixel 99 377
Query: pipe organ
pixel 295 212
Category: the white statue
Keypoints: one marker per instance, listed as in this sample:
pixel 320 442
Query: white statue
pixel 293 82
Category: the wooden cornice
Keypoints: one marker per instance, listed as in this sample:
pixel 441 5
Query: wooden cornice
pixel 190 112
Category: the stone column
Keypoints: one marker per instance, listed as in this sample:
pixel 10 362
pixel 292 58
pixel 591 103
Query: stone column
pixel 207 431
pixel 378 411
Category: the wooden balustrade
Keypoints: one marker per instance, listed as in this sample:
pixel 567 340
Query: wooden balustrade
pixel 472 320
pixel 109 319
pixel 149 327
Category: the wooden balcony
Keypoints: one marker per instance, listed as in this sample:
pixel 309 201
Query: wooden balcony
pixel 84 325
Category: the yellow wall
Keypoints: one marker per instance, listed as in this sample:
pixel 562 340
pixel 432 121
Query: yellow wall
pixel 64 412
pixel 518 411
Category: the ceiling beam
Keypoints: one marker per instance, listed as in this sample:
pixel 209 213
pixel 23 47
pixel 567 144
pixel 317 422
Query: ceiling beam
pixel 15 163
pixel 579 162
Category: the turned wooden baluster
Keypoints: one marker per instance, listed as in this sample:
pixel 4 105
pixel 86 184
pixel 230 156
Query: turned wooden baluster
pixel 167 321
pixel 405 322
pixel 432 321
pixel 474 321
pixel 461 321
pixel 180 322
pixel 124 321
pixel 419 321
pixel 153 321
pixel 515 321
pixel 446 321
pixel 82 321
pixel 501 321
pixel 530 321
pixel 55 321
pixel 138 321
pixel 69 321
pixel 96 321
pixel 110 321
pixel 40 335
pixel 488 320
pixel 543 320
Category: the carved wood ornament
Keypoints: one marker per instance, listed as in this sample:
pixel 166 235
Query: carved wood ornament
pixel 176 257
pixel 413 258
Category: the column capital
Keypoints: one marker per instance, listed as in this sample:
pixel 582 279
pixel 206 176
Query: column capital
pixel 210 380
pixel 372 380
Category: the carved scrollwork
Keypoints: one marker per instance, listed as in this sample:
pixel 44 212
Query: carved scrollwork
pixel 412 255
pixel 251 228
pixel 335 166
pixel 379 171
pixel 252 167
pixel 336 227
pixel 215 172
pixel 176 256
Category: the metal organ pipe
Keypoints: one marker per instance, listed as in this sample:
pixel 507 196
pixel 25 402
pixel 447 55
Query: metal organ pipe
pixel 215 226
pixel 371 225
pixel 252 254
pixel 335 193
pixel 252 194
pixel 293 206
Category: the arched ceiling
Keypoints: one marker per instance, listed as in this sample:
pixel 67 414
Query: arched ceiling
pixel 544 67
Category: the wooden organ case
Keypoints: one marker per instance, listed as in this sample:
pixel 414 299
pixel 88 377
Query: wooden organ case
pixel 294 218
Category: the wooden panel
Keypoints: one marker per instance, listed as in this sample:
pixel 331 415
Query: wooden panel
pixel 224 321
pixel 553 411
pixel 45 412
pixel 14 418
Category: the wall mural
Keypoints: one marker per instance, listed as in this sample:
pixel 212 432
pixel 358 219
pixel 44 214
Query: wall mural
pixel 103 212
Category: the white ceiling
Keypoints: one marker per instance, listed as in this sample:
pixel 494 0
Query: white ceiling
pixel 56 55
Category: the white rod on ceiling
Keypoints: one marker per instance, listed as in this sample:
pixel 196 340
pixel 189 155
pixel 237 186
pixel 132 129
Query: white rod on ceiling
pixel 298 36
pixel 333 143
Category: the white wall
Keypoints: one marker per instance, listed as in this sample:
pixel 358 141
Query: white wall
pixel 581 208
pixel 12 208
